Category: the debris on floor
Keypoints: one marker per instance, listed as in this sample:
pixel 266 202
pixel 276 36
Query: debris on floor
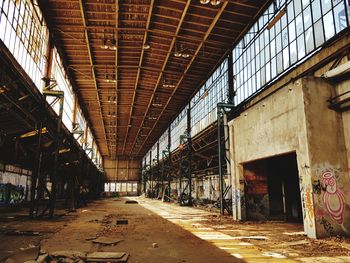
pixel 67 256
pixel 119 257
pixel 131 202
pixel 22 233
pixel 274 255
pixel 154 245
pixel 26 254
pixel 293 243
pixel 122 222
pixel 106 240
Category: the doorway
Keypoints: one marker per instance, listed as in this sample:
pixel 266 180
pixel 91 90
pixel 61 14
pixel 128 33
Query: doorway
pixel 272 190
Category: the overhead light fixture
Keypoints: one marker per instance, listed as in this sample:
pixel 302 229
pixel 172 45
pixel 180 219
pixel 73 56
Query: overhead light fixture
pixel 146 46
pixel 151 118
pixel 168 85
pixel 177 54
pixel 104 44
pixel 181 52
pixel 212 2
pixel 110 44
pixel 111 80
pixel 215 2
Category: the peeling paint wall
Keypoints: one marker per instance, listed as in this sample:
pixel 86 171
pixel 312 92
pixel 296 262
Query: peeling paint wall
pixel 328 159
pixel 297 118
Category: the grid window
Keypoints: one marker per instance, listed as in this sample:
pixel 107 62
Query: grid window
pixel 305 27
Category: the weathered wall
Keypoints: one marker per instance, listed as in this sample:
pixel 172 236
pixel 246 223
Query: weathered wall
pixel 328 159
pixel 296 118
pixel 122 169
pixel 273 126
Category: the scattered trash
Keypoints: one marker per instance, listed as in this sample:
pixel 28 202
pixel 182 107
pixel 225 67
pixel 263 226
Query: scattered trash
pixel 273 254
pixel 26 254
pixel 42 258
pixel 131 202
pixel 119 257
pixel 253 237
pixel 90 238
pixel 155 245
pixel 301 233
pixel 22 233
pixel 122 222
pixel 72 254
pixel 106 240
pixel 294 243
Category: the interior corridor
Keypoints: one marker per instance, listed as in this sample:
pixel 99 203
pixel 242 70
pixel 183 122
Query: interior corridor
pixel 183 234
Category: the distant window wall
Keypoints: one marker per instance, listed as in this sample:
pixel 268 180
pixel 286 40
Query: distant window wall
pixel 264 54
pixel 120 187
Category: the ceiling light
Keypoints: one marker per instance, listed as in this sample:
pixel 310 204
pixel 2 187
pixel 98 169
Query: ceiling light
pixel 111 80
pixel 177 54
pixel 204 2
pixel 185 55
pixel 109 44
pixel 171 86
pixel 156 104
pixel 215 2
pixel 146 46
pixel 151 118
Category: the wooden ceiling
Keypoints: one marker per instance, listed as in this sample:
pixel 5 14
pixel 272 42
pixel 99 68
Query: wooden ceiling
pixel 130 94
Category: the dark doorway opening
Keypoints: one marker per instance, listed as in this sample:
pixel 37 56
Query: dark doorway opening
pixel 272 190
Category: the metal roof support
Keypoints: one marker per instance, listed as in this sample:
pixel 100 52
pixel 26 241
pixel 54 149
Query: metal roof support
pixel 161 73
pixel 92 68
pixel 212 25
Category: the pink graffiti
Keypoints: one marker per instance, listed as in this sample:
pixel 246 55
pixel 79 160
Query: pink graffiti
pixel 333 198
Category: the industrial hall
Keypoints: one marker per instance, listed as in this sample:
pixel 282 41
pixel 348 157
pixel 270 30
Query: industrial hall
pixel 175 131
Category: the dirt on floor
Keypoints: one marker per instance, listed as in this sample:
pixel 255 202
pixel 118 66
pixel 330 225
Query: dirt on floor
pixel 152 231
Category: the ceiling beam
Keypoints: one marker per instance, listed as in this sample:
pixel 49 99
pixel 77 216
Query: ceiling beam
pixel 172 44
pixel 210 29
pixel 92 68
pixel 139 70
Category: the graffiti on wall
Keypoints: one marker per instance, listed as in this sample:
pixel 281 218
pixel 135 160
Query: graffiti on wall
pixel 333 197
pixel 309 206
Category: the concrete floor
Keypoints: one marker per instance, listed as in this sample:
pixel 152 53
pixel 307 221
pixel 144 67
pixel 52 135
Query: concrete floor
pixel 182 234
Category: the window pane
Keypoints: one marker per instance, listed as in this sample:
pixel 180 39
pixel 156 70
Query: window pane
pixel 319 38
pixel 316 10
pixel 329 25
pixel 340 17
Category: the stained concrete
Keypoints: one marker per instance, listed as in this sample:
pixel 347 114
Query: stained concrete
pixel 297 119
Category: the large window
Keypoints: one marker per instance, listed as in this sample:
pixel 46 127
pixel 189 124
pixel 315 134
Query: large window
pixel 264 54
pixel 23 30
pixel 58 74
pixel 178 127
pixel 203 111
